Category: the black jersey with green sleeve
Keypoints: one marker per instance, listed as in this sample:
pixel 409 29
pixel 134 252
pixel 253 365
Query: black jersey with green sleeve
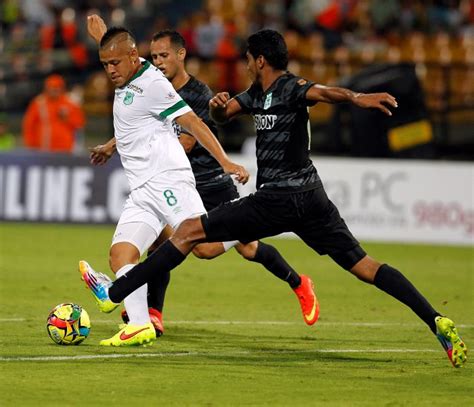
pixel 283 133
pixel 207 171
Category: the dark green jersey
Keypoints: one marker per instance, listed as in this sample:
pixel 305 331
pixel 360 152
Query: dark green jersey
pixel 283 133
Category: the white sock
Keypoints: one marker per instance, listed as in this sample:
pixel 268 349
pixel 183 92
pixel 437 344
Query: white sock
pixel 136 304
pixel 229 245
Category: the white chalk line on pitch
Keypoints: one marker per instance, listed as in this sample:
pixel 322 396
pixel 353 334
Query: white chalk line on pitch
pixel 217 322
pixel 204 354
pixel 12 319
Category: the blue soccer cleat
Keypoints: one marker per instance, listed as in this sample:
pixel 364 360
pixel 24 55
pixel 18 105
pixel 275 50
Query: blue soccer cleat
pixel 99 285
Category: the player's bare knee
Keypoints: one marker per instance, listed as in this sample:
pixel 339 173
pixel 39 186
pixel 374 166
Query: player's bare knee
pixel 203 251
pixel 113 260
pixel 116 262
pixel 366 269
pixel 122 254
pixel 199 252
pixel 247 251
pixel 189 233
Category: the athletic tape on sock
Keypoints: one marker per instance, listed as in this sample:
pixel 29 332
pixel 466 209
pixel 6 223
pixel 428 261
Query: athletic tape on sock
pixel 229 245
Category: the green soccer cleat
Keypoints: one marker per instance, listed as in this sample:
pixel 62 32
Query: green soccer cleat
pixel 452 343
pixel 99 285
pixel 156 318
pixel 132 335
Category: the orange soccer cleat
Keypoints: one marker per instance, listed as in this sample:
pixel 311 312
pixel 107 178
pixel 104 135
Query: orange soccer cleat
pixel 308 300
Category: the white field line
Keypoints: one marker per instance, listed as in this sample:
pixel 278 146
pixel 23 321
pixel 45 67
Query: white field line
pixel 204 354
pixel 12 319
pixel 217 322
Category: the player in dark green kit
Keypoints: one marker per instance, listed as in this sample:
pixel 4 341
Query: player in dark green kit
pixel 290 195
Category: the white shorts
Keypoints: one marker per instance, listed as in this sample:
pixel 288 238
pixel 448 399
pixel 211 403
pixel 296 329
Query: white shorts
pixel 166 199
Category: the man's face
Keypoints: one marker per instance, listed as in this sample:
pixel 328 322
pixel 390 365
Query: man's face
pixel 166 58
pixel 54 92
pixel 119 62
pixel 252 67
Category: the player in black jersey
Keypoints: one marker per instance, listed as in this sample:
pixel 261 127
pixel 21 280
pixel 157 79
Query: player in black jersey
pixel 168 53
pixel 290 195
pixel 215 187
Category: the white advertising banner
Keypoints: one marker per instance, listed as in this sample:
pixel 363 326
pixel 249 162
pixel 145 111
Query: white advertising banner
pixel 398 200
pixel 381 200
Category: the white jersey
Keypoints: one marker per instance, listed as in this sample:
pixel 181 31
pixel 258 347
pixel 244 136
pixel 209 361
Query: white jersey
pixel 144 110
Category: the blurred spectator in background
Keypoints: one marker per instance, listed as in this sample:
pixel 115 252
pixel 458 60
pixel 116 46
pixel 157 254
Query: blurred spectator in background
pixel 328 40
pixel 444 15
pixel 63 33
pixel 7 139
pixel 9 13
pixel 228 52
pixel 52 119
pixel 208 33
pixel 186 29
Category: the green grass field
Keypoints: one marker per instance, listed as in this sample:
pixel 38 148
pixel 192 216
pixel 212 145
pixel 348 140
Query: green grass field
pixel 234 334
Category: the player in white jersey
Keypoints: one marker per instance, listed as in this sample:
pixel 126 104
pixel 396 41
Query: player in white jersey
pixel 143 112
pixel 158 171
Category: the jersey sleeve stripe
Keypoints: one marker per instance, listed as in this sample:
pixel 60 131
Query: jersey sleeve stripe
pixel 173 109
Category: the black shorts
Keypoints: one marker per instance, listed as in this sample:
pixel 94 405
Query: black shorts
pixel 214 197
pixel 310 214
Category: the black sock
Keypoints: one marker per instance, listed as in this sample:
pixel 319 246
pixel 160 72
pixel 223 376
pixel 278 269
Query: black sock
pixel 164 259
pixel 397 285
pixel 157 290
pixel 271 259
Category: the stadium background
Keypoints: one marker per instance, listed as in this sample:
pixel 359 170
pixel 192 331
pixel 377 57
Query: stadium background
pixel 331 42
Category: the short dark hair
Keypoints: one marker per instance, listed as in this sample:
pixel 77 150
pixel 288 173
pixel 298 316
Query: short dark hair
pixel 114 31
pixel 271 45
pixel 175 37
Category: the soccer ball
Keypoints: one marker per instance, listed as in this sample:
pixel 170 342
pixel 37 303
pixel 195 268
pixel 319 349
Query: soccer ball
pixel 68 324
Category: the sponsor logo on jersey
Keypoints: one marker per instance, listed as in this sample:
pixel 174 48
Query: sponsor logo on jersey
pixel 128 99
pixel 170 96
pixel 135 88
pixel 265 121
pixel 268 101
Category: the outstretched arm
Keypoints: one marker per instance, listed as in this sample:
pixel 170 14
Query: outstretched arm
pixel 381 101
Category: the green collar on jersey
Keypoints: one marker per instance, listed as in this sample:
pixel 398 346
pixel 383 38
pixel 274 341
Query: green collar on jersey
pixel 145 66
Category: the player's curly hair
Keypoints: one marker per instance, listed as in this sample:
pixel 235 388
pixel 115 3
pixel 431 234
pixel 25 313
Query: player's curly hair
pixel 112 32
pixel 271 45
